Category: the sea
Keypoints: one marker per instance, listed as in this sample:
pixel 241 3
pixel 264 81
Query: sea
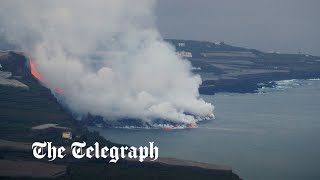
pixel 272 134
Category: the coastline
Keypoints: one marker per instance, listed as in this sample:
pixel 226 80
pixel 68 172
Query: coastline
pixel 61 168
pixel 29 104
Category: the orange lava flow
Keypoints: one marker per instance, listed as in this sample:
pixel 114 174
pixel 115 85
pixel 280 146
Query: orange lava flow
pixel 192 125
pixel 166 128
pixel 36 74
pixel 34 71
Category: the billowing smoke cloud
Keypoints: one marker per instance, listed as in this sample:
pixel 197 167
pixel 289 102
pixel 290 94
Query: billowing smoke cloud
pixel 106 57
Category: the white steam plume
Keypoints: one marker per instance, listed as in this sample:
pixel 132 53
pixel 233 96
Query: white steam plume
pixel 107 57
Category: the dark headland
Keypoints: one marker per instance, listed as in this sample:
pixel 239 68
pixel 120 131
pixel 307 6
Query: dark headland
pixel 226 68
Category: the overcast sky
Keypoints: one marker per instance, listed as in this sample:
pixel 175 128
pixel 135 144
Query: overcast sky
pixel 280 25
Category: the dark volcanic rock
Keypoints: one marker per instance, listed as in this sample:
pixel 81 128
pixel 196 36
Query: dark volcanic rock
pixel 17 64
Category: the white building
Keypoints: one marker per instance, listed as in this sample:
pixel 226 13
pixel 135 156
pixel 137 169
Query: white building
pixel 181 44
pixel 184 54
pixel 67 135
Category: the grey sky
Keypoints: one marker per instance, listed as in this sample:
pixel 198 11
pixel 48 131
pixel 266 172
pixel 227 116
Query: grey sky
pixel 280 25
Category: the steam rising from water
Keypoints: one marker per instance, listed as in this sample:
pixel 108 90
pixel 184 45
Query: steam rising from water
pixel 107 57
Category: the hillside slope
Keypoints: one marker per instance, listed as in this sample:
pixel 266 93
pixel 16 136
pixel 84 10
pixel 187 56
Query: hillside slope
pixel 25 111
pixel 226 68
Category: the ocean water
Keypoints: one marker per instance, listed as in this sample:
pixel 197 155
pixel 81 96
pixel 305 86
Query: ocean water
pixel 274 134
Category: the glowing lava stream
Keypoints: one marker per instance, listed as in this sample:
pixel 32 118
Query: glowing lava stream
pixel 37 75
pixel 34 71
